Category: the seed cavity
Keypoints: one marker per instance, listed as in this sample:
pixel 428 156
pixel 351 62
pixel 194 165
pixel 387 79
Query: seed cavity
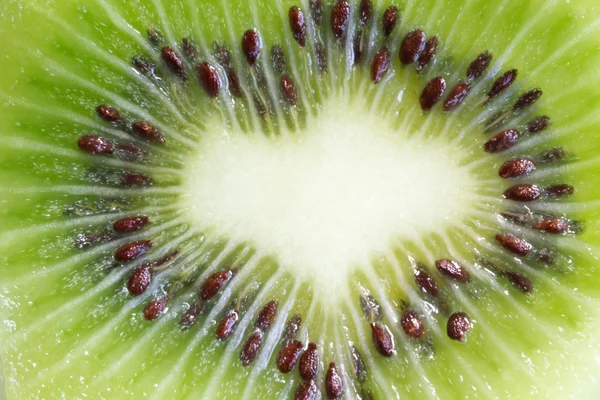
pixel 426 283
pixel 174 62
pixel 552 225
pixel 333 383
pixel 93 144
pixel 227 325
pixel 251 46
pixel 155 36
pixel 131 179
pixel 321 58
pixel 130 224
pixel 552 155
pixel 457 95
pixel 309 362
pixel 131 251
pixel 520 281
pixel 527 99
pixel 523 193
pixel 502 83
pixel 411 46
pixel 340 15
pixel 516 168
pixel 288 356
pixel 209 78
pixel 433 92
pixel 514 244
pixel 479 65
pixel 108 113
pixel 502 141
pixel 289 90
pixel 188 319
pixel 538 124
pixel 190 50
pixel 360 369
pixel 251 348
pixel 143 66
pixel 214 284
pixel 307 391
pixel 278 59
pixel 291 329
pixel 428 53
pixel 453 270
pixel 458 325
pixel 370 307
pixel 147 131
pixel 267 315
pixel 381 64
pixel 316 11
pixel 389 20
pixel 412 324
pixel 357 47
pixel 298 25
pixel 383 339
pixel 155 308
pixel 365 12
pixel 560 190
pixel 140 279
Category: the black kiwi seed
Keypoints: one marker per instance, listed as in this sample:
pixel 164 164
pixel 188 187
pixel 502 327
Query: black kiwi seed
pixel 514 244
pixel 209 78
pixel 381 64
pixel 214 284
pixel 251 348
pixel 479 65
pixel 340 15
pixel 316 11
pixel 457 95
pixel 140 279
pixel 108 113
pixel 334 385
pixel 411 46
pixel 516 168
pixel 523 193
pixel 131 179
pixel 227 325
pixel 251 46
pixel 538 124
pixel 502 83
pixel 288 356
pixel 426 282
pixel 382 339
pixel 130 251
pixel 527 99
pixel 389 20
pixel 189 49
pixel 453 270
pixel 560 190
pixel 147 131
pixel 289 90
pixel 412 324
pixel 130 224
pixel 267 315
pixel 432 93
pixel 502 141
pixel 94 144
pixel 458 325
pixel 428 53
pixel 520 281
pixel 309 362
pixel 155 308
pixel 298 25
pixel 307 391
pixel 131 149
pixel 552 225
pixel 174 62
pixel 364 12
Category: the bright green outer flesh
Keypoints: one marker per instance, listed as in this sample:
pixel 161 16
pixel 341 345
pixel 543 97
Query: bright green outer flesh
pixel 70 330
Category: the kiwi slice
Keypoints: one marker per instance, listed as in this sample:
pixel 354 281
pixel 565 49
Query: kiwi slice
pixel 336 199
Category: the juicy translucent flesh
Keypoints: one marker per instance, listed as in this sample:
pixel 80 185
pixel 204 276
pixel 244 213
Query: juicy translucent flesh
pixel 69 327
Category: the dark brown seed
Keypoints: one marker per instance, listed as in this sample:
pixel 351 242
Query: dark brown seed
pixel 209 78
pixel 538 124
pixel 357 47
pixel 381 64
pixel 155 308
pixel 251 348
pixel 298 25
pixel 514 244
pixel 412 324
pixel 502 83
pixel 130 224
pixel 147 131
pixel 174 62
pixel 365 11
pixel 453 270
pixel 522 193
pixel 333 383
pixel 189 49
pixel 108 113
pixel 130 179
pixel 527 99
pixel 93 144
pixel 340 14
pixel 552 225
pixel 432 93
pixel 519 281
pixel 188 319
pixel 516 168
pixel 233 82
pixel 131 251
pixel 555 154
pixel 222 54
pixel 278 59
pixel 288 90
pixel 309 362
pixel 479 66
pixel 383 340
pixel 389 20
pixel 560 190
pixel 227 324
pixel 251 46
pixel 457 95
pixel 267 315
pixel 214 284
pixel 360 370
pixel 260 107
pixel 292 327
pixel 459 324
pixel 140 279
pixel 321 58
pixel 307 391
pixel 428 53
pixel 502 141
pixel 426 282
pixel 411 46
pixel 143 66
pixel 288 356
pixel 155 36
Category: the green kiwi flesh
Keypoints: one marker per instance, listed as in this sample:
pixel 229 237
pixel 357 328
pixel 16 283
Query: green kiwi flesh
pixel 368 215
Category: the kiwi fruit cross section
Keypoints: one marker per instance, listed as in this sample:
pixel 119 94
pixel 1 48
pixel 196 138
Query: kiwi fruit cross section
pixel 318 199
